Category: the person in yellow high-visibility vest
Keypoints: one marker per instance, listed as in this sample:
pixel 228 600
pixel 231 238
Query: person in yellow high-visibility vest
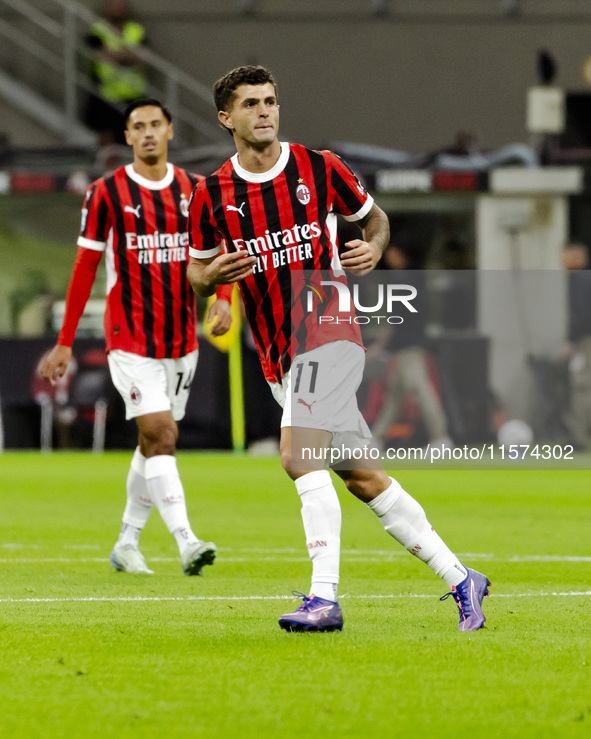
pixel 117 70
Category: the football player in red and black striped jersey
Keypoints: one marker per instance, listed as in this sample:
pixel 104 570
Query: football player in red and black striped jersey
pixel 137 216
pixel 265 217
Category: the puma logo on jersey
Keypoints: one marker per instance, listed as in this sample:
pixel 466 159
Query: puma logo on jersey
pixel 234 208
pixel 301 401
pixel 135 211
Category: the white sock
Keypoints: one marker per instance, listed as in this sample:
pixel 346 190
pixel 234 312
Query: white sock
pixel 139 505
pixel 184 536
pixel 405 520
pixel 129 535
pixel 166 490
pixel 321 515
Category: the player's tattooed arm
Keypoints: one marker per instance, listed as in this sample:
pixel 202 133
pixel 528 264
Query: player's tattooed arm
pixel 364 254
pixel 205 275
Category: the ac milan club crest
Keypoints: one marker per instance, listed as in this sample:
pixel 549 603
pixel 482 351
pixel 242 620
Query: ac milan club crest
pixel 135 395
pixel 303 194
pixel 184 206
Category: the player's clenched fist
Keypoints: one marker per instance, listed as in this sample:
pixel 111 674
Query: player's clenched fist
pixel 56 363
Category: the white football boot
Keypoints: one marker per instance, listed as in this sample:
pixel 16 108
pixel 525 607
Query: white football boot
pixel 196 555
pixel 128 558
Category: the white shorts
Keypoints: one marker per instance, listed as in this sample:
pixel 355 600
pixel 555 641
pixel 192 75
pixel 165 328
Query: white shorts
pixel 319 392
pixel 152 385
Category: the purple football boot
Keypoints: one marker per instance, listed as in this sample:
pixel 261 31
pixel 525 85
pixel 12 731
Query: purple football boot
pixel 468 596
pixel 315 614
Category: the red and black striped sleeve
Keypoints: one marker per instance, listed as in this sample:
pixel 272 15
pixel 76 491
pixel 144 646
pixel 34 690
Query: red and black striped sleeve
pixel 204 237
pixel 96 223
pixel 349 197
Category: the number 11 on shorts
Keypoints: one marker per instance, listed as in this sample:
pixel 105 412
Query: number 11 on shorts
pixel 313 374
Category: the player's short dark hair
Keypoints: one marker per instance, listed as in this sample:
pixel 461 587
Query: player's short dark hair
pixel 250 74
pixel 143 103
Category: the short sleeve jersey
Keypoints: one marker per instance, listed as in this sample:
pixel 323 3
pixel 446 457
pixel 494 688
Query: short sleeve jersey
pixel 286 218
pixel 141 225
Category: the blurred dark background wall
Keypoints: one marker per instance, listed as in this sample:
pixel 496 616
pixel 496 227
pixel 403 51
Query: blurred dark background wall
pixel 409 78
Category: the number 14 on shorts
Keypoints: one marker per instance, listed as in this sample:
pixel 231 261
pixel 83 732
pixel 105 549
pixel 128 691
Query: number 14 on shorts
pixel 187 384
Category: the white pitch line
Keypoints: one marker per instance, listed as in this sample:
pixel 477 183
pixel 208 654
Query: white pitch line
pixel 279 554
pixel 103 560
pixel 50 560
pixel 191 598
pixel 271 557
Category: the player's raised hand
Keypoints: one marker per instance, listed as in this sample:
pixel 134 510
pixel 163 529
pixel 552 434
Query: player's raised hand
pixel 220 315
pixel 233 267
pixel 56 363
pixel 360 258
pixel 206 274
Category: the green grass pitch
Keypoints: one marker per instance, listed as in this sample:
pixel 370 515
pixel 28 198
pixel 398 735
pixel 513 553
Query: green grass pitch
pixel 88 652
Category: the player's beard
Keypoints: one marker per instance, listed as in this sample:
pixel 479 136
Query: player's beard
pixel 151 159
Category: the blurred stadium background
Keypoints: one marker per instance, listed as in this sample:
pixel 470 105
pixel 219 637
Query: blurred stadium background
pixel 469 120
